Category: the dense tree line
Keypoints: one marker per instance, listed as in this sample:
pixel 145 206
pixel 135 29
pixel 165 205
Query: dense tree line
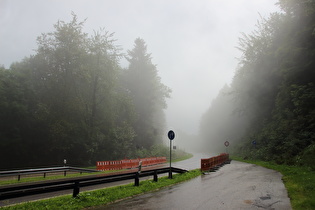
pixel 268 111
pixel 72 100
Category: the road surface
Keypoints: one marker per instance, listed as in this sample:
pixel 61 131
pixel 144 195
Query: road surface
pixel 234 186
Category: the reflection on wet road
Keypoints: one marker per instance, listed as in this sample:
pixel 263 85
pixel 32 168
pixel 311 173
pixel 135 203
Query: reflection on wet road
pixel 234 186
pixel 192 163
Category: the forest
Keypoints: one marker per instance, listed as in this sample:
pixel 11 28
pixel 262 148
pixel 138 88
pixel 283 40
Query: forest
pixel 268 111
pixel 72 100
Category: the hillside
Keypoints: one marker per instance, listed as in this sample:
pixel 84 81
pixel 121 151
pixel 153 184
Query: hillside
pixel 268 111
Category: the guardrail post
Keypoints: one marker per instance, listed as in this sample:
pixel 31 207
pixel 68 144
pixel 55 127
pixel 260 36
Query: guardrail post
pixel 76 189
pixel 19 177
pixel 155 176
pixel 65 173
pixel 170 175
pixel 139 167
pixel 137 179
pixel 44 175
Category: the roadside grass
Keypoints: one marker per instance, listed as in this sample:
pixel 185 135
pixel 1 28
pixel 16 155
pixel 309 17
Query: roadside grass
pixel 181 158
pixel 299 182
pixel 105 196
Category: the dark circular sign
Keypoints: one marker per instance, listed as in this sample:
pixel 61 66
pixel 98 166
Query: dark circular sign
pixel 226 143
pixel 171 135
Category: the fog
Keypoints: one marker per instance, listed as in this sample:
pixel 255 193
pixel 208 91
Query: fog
pixel 193 43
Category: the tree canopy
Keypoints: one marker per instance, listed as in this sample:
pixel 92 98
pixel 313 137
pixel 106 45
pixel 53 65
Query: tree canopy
pixel 271 98
pixel 72 100
pixel 148 95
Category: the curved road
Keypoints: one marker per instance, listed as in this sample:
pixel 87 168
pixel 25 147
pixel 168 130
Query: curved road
pixel 234 186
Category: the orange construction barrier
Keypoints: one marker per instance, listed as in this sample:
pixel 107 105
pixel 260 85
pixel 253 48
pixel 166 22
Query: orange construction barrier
pixel 208 164
pixel 128 163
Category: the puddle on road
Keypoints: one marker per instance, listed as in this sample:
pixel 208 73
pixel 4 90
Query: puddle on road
pixel 265 197
pixel 248 201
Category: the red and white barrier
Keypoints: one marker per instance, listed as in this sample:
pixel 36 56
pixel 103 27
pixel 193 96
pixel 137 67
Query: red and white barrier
pixel 210 163
pixel 128 163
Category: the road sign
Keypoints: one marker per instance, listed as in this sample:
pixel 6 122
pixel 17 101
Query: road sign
pixel 226 143
pixel 171 135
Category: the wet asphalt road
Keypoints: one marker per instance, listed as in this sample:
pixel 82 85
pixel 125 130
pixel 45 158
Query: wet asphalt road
pixel 234 186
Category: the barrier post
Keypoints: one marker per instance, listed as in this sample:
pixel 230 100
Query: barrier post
pixel 76 189
pixel 137 179
pixel 139 167
pixel 155 176
pixel 170 176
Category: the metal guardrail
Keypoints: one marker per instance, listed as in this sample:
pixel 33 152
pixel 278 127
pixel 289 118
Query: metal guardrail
pixel 24 189
pixel 44 171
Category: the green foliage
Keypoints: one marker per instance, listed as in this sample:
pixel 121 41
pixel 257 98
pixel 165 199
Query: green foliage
pixel 72 100
pixel 272 97
pixel 148 96
pixel 160 150
pixel 307 156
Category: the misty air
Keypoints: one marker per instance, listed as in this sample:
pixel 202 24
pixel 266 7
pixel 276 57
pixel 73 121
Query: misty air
pixel 91 90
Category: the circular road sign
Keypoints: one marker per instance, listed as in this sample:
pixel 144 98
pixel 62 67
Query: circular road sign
pixel 226 143
pixel 171 135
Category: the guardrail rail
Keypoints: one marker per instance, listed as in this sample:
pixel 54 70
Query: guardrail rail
pixel 44 171
pixel 19 190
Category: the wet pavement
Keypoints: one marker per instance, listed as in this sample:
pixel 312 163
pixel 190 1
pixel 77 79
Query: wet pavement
pixel 234 186
pixel 192 163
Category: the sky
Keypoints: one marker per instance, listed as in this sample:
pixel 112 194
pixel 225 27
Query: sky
pixel 192 42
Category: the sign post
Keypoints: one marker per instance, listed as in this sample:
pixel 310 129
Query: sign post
pixel 226 144
pixel 171 136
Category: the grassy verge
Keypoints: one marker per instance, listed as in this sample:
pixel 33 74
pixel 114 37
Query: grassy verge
pixel 181 158
pixel 105 196
pixel 299 182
